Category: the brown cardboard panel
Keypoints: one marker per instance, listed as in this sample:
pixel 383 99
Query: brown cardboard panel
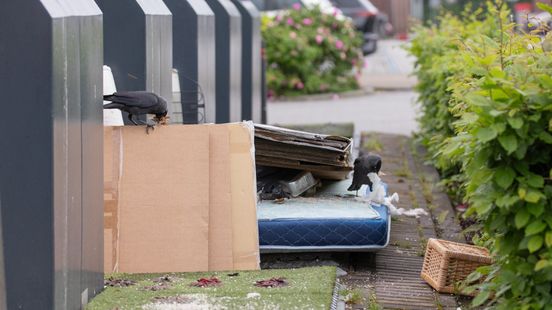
pixel 295 137
pixel 108 251
pixel 220 200
pixel 108 155
pixel 108 196
pixel 164 200
pixel 111 182
pixel 180 199
pixel 244 212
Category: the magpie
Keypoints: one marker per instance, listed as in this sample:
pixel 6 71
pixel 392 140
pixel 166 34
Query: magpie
pixel 139 103
pixel 364 165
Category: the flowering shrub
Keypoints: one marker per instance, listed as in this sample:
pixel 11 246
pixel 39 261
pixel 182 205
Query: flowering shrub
pixel 496 126
pixel 308 52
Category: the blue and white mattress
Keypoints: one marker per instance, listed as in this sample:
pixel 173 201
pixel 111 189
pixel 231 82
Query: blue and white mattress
pixel 331 221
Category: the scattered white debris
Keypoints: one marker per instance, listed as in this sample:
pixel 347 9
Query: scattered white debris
pixel 253 295
pixel 192 302
pixel 377 195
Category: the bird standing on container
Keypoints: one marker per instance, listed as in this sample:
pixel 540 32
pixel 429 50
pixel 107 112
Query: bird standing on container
pixel 364 165
pixel 139 103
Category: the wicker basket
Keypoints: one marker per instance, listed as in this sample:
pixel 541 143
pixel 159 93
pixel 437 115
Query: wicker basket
pixel 446 263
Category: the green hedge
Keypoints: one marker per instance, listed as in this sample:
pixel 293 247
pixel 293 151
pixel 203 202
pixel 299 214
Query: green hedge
pixel 486 97
pixel 308 52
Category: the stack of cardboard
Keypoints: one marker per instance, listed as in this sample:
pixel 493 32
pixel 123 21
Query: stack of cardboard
pixel 327 157
pixel 180 199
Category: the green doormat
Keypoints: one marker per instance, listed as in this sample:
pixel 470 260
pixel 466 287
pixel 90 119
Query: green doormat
pixel 304 288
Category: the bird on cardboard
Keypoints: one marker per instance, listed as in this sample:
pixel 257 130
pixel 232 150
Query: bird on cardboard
pixel 364 165
pixel 139 103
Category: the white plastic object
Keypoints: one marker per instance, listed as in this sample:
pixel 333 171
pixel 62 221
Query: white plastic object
pixel 111 117
pixel 300 184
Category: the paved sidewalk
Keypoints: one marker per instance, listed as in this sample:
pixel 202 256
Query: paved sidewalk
pixel 390 109
pixel 394 281
pixel 389 68
pixel 389 112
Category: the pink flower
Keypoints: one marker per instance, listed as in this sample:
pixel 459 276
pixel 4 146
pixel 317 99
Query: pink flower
pixel 339 44
pixel 299 85
pixel 278 18
pixel 296 6
pixel 335 11
pixel 290 21
pixel 293 35
pixel 307 21
pixel 319 39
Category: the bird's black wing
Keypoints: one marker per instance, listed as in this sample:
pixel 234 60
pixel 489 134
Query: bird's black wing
pixel 359 174
pixel 378 166
pixel 138 99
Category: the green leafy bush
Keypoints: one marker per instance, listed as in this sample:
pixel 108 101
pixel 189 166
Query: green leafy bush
pixel 487 90
pixel 439 66
pixel 309 52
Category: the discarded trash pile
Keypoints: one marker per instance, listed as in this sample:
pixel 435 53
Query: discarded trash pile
pixel 327 157
pixel 279 183
pixel 333 213
pixel 307 174
pixel 290 163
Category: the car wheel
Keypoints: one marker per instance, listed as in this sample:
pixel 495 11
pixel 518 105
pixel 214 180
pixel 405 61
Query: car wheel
pixel 369 47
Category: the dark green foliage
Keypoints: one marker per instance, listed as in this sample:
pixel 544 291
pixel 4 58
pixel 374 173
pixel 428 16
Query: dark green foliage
pixel 486 96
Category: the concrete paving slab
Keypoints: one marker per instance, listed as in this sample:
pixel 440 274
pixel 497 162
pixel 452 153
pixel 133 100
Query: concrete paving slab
pixel 387 112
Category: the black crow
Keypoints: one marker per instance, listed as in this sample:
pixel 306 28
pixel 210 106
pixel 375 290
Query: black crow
pixel 139 103
pixel 363 166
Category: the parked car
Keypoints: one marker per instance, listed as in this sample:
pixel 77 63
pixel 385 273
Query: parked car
pixel 539 23
pixel 325 6
pixel 367 19
pixel 272 7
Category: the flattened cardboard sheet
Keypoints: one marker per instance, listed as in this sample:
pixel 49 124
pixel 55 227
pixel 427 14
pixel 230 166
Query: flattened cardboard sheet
pixel 180 199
